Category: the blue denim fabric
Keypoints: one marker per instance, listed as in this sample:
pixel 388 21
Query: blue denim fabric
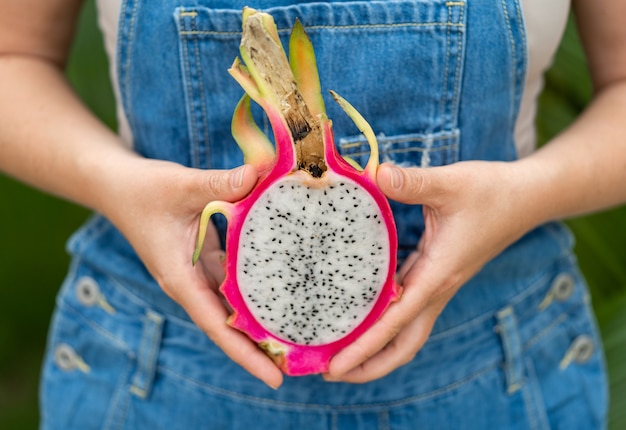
pixel 439 81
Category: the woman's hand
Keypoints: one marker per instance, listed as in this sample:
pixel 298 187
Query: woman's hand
pixel 157 207
pixel 472 212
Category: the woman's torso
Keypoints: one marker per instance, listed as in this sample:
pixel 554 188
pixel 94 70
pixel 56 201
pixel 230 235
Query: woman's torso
pixel 440 82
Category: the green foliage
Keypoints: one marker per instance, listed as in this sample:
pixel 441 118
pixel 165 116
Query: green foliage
pixel 34 228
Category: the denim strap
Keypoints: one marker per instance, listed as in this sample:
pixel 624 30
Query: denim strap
pixel 512 346
pixel 148 354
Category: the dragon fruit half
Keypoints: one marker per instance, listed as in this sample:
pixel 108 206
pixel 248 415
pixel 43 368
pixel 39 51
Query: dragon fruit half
pixel 311 251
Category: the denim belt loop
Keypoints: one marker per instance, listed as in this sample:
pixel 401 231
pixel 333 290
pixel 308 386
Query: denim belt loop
pixel 512 346
pixel 148 354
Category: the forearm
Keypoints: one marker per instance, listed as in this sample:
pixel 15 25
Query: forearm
pixel 50 140
pixel 583 169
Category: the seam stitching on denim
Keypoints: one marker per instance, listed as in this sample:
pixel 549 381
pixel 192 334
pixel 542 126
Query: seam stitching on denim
pixel 127 63
pixel 384 141
pixel 313 406
pixel 545 331
pixel 489 314
pixel 457 71
pixel 407 150
pixel 205 123
pixel 138 377
pixel 118 342
pixel 445 73
pixel 335 27
pixel 513 53
pixel 189 99
pixel 118 407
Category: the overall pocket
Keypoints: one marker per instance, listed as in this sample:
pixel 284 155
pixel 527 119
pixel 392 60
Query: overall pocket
pixel 399 63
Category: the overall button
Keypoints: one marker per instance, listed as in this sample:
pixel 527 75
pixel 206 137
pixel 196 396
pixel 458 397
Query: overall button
pixel 583 348
pixel 561 289
pixel 87 291
pixel 66 359
pixel 563 286
pixel 580 351
pixel 88 294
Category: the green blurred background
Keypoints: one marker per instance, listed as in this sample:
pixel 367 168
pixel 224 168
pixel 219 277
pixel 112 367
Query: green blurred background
pixel 34 228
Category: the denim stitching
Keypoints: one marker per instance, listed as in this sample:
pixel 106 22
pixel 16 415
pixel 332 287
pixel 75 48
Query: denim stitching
pixel 538 412
pixel 118 407
pixel 91 230
pixel 489 314
pixel 532 422
pixel 187 67
pixel 407 150
pixel 205 122
pixel 386 141
pixel 383 420
pixel 334 421
pixel 334 27
pixel 457 72
pixel 520 15
pixel 145 365
pixel 508 330
pixel 127 63
pixel 99 329
pixel 445 74
pixel 546 330
pixel 139 302
pixel 330 407
pixel 511 39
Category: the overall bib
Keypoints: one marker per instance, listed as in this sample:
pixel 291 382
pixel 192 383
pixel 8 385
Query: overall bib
pixel 440 82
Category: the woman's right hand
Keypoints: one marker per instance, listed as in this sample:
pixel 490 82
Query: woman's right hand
pixel 157 207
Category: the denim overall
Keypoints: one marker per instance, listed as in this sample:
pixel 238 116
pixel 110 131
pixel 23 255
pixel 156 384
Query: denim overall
pixel 439 81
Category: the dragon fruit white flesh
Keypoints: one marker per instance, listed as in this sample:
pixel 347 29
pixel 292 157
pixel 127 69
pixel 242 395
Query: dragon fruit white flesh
pixel 311 250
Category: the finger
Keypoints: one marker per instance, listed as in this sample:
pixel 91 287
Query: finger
pixel 371 342
pixel 422 283
pixel 400 351
pixel 206 310
pixel 228 185
pixel 410 185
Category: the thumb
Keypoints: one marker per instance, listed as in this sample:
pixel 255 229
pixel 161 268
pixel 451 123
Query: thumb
pixel 409 185
pixel 229 185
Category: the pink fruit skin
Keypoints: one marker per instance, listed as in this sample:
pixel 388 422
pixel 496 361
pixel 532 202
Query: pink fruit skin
pixel 294 359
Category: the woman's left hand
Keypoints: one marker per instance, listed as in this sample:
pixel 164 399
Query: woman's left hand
pixel 472 211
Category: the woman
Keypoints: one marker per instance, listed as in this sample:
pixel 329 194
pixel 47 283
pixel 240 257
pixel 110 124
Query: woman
pixel 494 329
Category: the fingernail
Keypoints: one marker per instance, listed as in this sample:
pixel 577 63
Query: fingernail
pixel 236 178
pixel 396 177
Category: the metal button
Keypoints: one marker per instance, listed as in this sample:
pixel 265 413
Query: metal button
pixel 583 348
pixel 66 359
pixel 87 291
pixel 563 286
pixel 580 351
pixel 89 294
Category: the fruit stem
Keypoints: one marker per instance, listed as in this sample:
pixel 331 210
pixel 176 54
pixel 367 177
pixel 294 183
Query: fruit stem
pixel 268 65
